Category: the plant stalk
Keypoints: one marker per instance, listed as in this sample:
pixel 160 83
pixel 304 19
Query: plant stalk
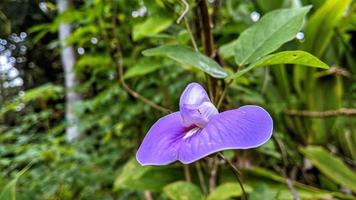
pixel 237 174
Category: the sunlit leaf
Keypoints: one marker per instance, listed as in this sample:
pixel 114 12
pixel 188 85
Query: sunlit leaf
pixel 227 191
pixel 267 35
pixel 188 56
pixel 262 191
pixel 183 191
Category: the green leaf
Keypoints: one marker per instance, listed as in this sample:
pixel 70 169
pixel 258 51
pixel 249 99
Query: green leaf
pixel 151 27
pixel 182 190
pixel 227 191
pixel 262 191
pixel 267 35
pixel 144 67
pixel 188 56
pixel 333 167
pixel 227 50
pixel 292 57
pixel 285 57
pixel 136 177
pixel 9 191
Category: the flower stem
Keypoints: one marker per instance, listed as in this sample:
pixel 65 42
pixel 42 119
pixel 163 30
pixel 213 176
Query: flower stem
pixel 223 94
pixel 237 174
pixel 189 30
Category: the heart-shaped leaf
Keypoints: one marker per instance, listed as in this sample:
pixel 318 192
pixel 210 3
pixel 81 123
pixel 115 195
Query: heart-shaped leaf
pixel 267 35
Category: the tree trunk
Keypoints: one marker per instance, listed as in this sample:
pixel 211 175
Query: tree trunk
pixel 68 61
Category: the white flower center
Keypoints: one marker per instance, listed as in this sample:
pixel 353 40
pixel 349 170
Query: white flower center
pixel 191 132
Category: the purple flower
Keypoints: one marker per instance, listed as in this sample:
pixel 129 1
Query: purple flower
pixel 198 130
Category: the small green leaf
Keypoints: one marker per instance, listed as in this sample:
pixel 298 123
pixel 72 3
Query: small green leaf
pixel 285 57
pixel 151 27
pixel 333 167
pixel 144 67
pixel 227 191
pixel 292 57
pixel 267 35
pixel 182 190
pixel 188 56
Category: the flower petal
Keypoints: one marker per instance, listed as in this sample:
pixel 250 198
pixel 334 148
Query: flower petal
pixel 242 128
pixel 195 106
pixel 162 141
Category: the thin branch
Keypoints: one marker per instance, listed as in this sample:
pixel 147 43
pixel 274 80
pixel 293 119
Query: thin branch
pixel 119 65
pixel 210 88
pixel 185 11
pixel 334 71
pixel 213 174
pixel 136 94
pixel 290 185
pixel 322 114
pixel 237 174
pixel 147 195
pixel 187 175
pixel 191 34
pixel 201 178
pixel 283 171
pixel 222 97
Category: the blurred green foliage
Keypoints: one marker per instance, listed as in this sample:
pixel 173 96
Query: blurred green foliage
pixel 317 156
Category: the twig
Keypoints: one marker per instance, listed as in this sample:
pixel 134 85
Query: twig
pixel 147 194
pixel 191 34
pixel 223 94
pixel 187 175
pixel 185 11
pixel 322 114
pixel 283 171
pixel 201 178
pixel 210 88
pixel 213 167
pixel 237 174
pixel 337 71
pixel 265 80
pixel 119 65
pixel 290 185
pixel 136 94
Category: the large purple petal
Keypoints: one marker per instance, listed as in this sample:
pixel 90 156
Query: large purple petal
pixel 242 128
pixel 195 106
pixel 161 144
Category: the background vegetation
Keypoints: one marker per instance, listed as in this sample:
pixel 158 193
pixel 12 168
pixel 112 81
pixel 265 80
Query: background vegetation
pixel 120 92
